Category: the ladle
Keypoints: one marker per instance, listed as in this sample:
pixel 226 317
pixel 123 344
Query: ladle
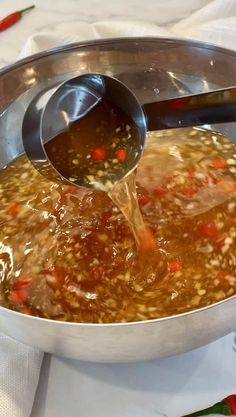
pixel 76 98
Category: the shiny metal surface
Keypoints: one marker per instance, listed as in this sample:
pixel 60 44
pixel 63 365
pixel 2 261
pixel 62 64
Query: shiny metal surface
pixel 151 68
pixel 218 106
pixel 52 110
pixel 75 98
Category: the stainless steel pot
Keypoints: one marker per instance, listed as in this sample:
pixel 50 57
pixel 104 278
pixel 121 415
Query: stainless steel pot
pixel 152 68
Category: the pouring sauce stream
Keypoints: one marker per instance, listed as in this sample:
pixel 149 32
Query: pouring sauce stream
pixel 95 151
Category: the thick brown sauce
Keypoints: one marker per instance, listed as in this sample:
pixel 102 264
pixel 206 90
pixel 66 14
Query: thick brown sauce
pixel 69 254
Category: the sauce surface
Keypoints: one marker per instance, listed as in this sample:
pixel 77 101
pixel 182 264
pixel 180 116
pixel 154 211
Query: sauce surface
pixel 68 254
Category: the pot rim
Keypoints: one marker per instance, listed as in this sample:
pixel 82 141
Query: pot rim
pixel 110 41
pixel 102 42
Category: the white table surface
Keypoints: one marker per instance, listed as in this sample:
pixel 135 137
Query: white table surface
pixel 167 387
pixel 171 386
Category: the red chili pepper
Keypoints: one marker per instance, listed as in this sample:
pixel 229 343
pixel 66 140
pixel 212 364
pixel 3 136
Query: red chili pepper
pixel 147 240
pixel 175 265
pixel 12 18
pixel 98 153
pixel 18 296
pixel 121 155
pixel 176 104
pixel 218 163
pixel 219 243
pixel 231 401
pixel 24 280
pixel 13 209
pixel 159 192
pixel 143 199
pixel 227 407
pixel 191 172
pixel 208 230
pixel 188 191
pixel 224 283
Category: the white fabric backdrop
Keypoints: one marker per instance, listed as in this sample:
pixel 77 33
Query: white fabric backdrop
pixel 215 22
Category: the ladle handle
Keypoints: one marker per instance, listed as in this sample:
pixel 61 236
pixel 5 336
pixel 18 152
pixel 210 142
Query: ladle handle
pixel 207 108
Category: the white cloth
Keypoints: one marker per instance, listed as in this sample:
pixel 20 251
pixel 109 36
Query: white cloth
pixel 215 22
pixel 19 374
